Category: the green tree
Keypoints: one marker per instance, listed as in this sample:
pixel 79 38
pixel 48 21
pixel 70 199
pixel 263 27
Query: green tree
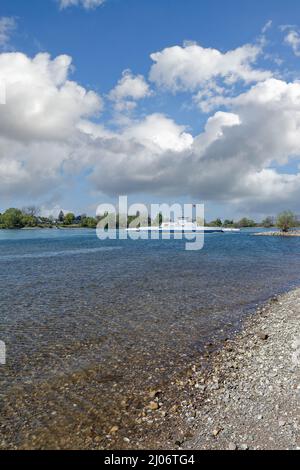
pixel 216 223
pixel 29 220
pixel 88 222
pixel 33 211
pixel 12 218
pixel 285 221
pixel 61 216
pixel 158 220
pixel 69 218
pixel 228 223
pixel 268 222
pixel 245 223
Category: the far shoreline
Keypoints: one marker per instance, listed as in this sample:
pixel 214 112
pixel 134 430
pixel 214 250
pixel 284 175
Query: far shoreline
pixel 47 228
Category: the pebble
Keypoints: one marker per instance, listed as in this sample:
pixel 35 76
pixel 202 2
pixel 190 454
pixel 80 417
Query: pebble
pixel 114 430
pixel 155 393
pixel 232 446
pixel 281 423
pixel 244 447
pixel 153 406
pixel 263 336
pixel 256 382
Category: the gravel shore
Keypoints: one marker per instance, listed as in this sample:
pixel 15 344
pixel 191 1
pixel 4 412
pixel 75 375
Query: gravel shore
pixel 278 234
pixel 251 397
pixel 239 395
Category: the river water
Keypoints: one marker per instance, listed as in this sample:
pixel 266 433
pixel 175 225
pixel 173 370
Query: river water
pixel 88 323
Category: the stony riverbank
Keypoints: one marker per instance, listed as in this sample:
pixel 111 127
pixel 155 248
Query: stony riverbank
pixel 278 234
pixel 242 395
pixel 251 397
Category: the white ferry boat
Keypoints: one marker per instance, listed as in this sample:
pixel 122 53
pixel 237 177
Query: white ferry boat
pixel 183 225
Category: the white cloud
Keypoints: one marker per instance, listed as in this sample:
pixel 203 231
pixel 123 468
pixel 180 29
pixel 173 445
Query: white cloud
pixel 232 160
pixel 7 26
pixel 267 135
pixel 137 156
pixel 159 133
pixel 48 134
pixel 87 4
pixel 211 96
pixel 191 67
pixel 40 122
pixel 292 39
pixel 42 103
pixel 211 75
pixel 267 26
pixel 129 89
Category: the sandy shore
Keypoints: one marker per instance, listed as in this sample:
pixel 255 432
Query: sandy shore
pixel 251 396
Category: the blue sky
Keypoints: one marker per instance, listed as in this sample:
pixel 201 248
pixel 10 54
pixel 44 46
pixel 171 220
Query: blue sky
pixel 121 35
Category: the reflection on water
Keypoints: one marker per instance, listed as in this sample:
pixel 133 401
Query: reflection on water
pixel 89 322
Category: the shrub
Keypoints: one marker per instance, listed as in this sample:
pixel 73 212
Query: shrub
pixel 285 221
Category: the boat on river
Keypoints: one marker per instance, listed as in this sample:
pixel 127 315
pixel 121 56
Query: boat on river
pixel 183 225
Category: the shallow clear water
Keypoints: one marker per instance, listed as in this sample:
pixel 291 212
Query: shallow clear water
pixel 135 310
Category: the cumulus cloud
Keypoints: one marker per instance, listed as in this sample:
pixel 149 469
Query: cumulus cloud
pixel 42 103
pixel 232 160
pixel 268 135
pixel 160 134
pixel 139 156
pixel 129 89
pixel 192 66
pixel 40 122
pixel 48 132
pixel 157 155
pixel 87 4
pixel 7 26
pixel 212 76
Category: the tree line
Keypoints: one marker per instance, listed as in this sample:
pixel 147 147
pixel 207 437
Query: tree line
pixel 29 217
pixel 284 221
